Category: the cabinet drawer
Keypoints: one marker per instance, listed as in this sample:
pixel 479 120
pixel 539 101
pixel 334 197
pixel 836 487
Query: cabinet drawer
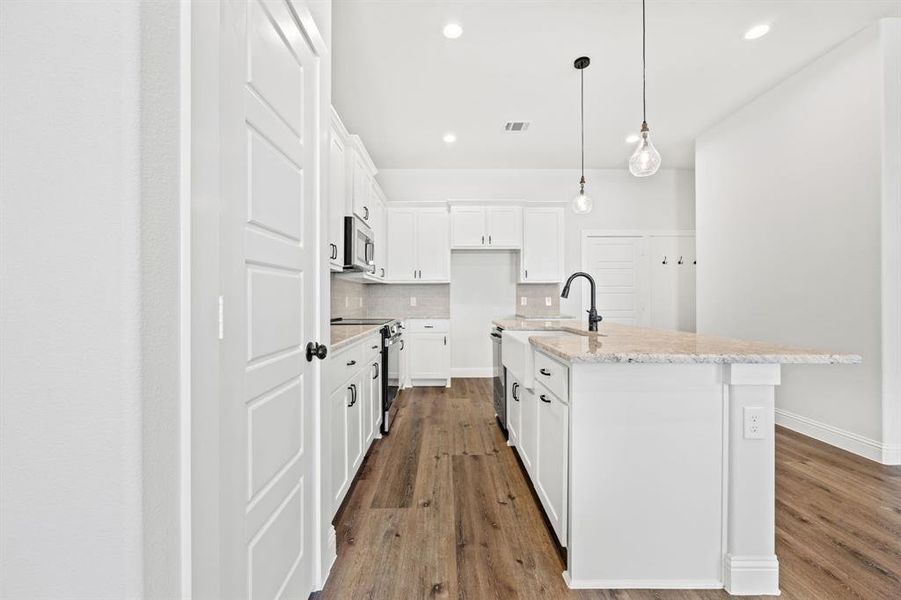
pixel 343 365
pixel 427 325
pixel 553 375
pixel 371 349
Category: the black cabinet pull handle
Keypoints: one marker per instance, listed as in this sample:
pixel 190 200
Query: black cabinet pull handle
pixel 445 340
pixel 351 363
pixel 483 239
pixel 515 387
pixel 375 347
pixel 402 344
pixel 545 372
pixel 353 395
pixel 366 212
pixel 489 240
pixel 376 371
pixel 544 399
pixel 527 273
pixel 429 326
pixel 383 271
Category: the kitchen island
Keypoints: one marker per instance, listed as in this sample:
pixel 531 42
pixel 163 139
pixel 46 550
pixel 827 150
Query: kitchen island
pixel 652 451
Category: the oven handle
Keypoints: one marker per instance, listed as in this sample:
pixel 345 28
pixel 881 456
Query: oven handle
pixel 497 335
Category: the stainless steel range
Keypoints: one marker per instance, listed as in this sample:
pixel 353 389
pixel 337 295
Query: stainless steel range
pixel 392 346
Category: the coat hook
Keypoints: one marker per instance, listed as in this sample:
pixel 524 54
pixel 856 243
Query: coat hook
pixel 680 261
pixel 664 260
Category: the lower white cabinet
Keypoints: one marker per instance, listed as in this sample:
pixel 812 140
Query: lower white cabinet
pixel 528 429
pixel 353 414
pixel 514 412
pixel 428 351
pixel 550 480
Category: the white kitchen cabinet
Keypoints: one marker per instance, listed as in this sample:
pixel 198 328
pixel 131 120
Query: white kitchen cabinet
pixel 551 480
pixel 362 179
pixel 337 192
pixel 491 227
pixel 433 245
pixel 373 407
pixel 355 447
pixel 542 245
pixel 514 403
pixel 418 245
pixel 402 262
pixel 379 231
pixel 339 477
pixel 428 351
pixel 528 429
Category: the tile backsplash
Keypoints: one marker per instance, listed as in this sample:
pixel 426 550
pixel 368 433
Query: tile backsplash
pixel 535 296
pixel 352 299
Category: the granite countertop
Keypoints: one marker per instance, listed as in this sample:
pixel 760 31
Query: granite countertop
pixel 347 335
pixel 615 343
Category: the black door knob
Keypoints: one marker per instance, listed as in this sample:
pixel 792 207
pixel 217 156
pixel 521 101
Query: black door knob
pixel 316 349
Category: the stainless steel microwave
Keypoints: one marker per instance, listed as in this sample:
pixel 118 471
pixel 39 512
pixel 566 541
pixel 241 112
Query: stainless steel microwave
pixel 359 245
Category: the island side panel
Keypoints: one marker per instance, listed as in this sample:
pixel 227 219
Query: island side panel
pixel 646 476
pixel 751 566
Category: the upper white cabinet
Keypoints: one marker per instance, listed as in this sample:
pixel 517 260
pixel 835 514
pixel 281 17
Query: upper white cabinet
pixel 379 225
pixel 337 192
pixel 542 245
pixel 497 227
pixel 418 245
pixel 362 180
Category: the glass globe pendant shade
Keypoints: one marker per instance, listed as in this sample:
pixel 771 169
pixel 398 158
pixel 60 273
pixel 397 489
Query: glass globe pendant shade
pixel 582 204
pixel 645 160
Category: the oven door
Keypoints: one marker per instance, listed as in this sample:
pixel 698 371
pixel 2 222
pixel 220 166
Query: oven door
pixel 391 378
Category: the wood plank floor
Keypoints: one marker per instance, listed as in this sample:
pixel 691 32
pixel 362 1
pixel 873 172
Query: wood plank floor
pixel 442 510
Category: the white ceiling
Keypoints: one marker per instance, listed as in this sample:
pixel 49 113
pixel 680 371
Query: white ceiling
pixel 401 85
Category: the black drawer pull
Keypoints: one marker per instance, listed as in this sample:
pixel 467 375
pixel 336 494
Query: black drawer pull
pixel 544 398
pixel 351 363
pixel 515 387
pixel 545 372
pixel 375 347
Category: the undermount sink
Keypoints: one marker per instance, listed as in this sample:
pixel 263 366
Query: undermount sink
pixel 516 353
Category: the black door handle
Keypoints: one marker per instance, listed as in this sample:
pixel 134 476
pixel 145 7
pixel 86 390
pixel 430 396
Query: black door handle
pixel 544 398
pixel 545 372
pixel 316 349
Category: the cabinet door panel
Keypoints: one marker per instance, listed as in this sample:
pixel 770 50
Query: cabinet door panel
pixel 337 445
pixel 542 245
pixel 514 404
pixel 337 205
pixel 504 227
pixel 375 400
pixel 551 480
pixel 401 244
pixel 362 189
pixel 433 244
pixel 528 433
pixel 355 426
pixel 468 227
pixel 429 355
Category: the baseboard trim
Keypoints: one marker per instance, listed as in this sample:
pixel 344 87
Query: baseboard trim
pixel 887 454
pixel 641 584
pixel 751 575
pixel 472 372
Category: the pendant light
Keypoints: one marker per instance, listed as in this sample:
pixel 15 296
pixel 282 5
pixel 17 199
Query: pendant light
pixel 645 160
pixel 582 203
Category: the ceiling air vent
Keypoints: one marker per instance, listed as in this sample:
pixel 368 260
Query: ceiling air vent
pixel 517 126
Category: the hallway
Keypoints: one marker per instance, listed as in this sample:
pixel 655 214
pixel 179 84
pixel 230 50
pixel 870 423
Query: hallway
pixel 442 510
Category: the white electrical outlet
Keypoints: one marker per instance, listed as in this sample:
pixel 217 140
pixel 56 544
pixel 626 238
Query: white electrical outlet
pixel 412 300
pixel 547 301
pixel 522 300
pixel 754 422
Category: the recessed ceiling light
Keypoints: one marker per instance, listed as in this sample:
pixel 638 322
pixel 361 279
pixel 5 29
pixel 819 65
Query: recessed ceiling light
pixel 757 32
pixel 449 138
pixel 632 138
pixel 452 31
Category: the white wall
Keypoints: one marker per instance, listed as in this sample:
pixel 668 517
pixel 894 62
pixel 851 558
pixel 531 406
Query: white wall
pixel 483 288
pixel 789 198
pixel 621 201
pixel 86 157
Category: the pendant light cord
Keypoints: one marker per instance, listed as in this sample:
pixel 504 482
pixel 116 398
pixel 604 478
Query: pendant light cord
pixel 582 116
pixel 644 101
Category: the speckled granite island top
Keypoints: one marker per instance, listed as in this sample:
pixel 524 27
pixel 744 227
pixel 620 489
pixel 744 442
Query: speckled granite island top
pixel 347 335
pixel 615 343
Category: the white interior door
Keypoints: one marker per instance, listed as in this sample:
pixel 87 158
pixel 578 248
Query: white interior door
pixel 269 121
pixel 617 265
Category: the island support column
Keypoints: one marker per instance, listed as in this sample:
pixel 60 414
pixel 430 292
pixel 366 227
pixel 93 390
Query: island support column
pixel 750 566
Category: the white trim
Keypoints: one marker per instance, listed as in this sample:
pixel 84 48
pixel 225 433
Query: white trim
pixel 752 374
pixel 472 372
pixel 751 575
pixel 887 454
pixel 637 233
pixel 641 584
pixel 185 37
